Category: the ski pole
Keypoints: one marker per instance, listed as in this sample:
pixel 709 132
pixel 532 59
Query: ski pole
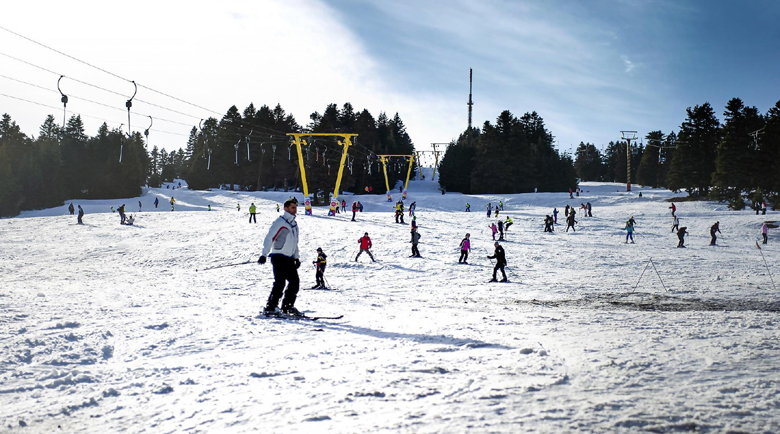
pixel 224 266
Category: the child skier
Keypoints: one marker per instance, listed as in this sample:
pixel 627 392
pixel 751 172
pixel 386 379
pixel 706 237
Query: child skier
pixel 320 263
pixel 415 241
pixel 630 234
pixel 494 229
pixel 465 246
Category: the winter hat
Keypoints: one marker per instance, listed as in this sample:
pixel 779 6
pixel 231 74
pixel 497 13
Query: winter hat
pixel 319 249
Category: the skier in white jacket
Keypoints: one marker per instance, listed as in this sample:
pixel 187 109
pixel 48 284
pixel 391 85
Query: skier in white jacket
pixel 281 244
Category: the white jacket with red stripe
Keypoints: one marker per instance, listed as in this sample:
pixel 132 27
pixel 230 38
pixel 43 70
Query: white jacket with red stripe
pixel 282 238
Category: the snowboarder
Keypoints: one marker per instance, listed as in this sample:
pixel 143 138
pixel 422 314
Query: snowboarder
pixel 320 263
pixel 675 223
pixel 714 228
pixel 252 211
pixel 156 202
pixel 281 244
pixel 415 240
pixel 500 258
pixel 468 207
pixel 630 231
pixel 494 229
pixel 365 246
pixel 354 210
pixel 508 223
pixel 71 209
pixel 465 246
pixel 673 208
pixel 121 211
pixel 81 216
pixel 500 230
pixel 588 205
pixel 570 222
pixel 555 215
pixel 764 230
pixel 681 236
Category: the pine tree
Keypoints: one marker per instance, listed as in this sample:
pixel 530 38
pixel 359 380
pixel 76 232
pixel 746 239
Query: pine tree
pixel 647 172
pixel 694 158
pixel 736 153
pixel 587 163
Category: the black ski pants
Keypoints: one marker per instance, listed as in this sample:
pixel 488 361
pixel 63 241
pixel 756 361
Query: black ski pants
pixel 81 223
pixel 714 238
pixel 252 216
pixel 764 235
pixel 682 241
pixel 572 228
pixel 499 266
pixel 320 275
pixel 464 255
pixel 367 251
pixel 353 215
pixel 284 271
pixel 415 251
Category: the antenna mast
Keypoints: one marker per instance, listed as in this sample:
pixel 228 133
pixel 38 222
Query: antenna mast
pixel 471 103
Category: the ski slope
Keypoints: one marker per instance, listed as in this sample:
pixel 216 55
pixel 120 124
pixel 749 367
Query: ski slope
pixel 109 328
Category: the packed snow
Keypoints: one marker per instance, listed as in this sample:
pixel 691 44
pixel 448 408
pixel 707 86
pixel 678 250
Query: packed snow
pixel 111 328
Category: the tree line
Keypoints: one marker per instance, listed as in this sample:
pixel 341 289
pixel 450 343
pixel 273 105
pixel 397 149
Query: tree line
pixel 514 155
pixel 727 161
pixel 248 150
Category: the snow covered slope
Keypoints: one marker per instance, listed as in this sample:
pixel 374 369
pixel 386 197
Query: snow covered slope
pixel 108 328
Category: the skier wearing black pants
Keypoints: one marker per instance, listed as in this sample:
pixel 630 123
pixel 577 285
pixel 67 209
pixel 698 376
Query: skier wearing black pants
pixel 282 244
pixel 465 246
pixel 321 262
pixel 500 258
pixel 415 240
pixel 81 216
pixel 713 229
pixel 681 236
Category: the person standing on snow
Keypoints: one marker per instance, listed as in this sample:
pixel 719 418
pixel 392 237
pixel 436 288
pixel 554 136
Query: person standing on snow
pixel 412 207
pixel 252 211
pixel 354 210
pixel 139 206
pixel 281 244
pixel 570 222
pixel 277 207
pixel 415 241
pixel 764 230
pixel 71 209
pixel 588 205
pixel 681 236
pixel 566 211
pixel 555 215
pixel 156 202
pixel 673 208
pixel 630 231
pixel 343 205
pixel 500 258
pixel 494 229
pixel 81 216
pixel 414 222
pixel 675 224
pixel 365 246
pixel 320 263
pixel 489 209
pixel 121 211
pixel 500 230
pixel 763 208
pixel 508 223
pixel 713 229
pixel 497 212
pixel 173 203
pixel 465 246
pixel 238 207
pixel 468 207
pixel 501 204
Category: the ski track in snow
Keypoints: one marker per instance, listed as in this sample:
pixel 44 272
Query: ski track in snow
pixel 109 328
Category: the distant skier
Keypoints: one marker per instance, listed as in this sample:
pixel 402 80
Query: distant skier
pixel 414 222
pixel 675 223
pixel 548 224
pixel 681 236
pixel 412 208
pixel 757 207
pixel 277 207
pixel 281 244
pixel 343 205
pixel 494 229
pixel 500 230
pixel 252 211
pixel 501 204
pixel 156 202
pixel 714 228
pixel 673 208
pixel 360 206
pixel 763 208
pixel 468 207
pixel 489 209
pixel 584 209
pixel 497 210
pixel 629 231
pixel 71 209
pixel 588 205
pixel 81 216
pixel 320 263
pixel 139 206
pixel 130 220
pixel 500 258
pixel 209 207
pixel 764 230
pixel 238 207
pixel 365 246
pixel 121 211
pixel 508 223
pixel 632 221
pixel 570 222
pixel 571 195
pixel 555 215
pixel 173 203
pixel 113 210
pixel 354 210
pixel 415 241
pixel 465 247
pixel 566 211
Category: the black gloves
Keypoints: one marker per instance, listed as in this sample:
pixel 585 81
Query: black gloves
pixel 297 263
pixel 261 260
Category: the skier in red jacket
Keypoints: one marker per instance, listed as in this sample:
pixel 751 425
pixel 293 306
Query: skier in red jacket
pixel 365 245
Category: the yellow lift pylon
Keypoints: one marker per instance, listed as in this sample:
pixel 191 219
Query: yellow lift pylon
pixel 298 141
pixel 384 158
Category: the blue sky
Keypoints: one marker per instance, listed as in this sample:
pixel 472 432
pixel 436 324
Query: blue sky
pixel 589 68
